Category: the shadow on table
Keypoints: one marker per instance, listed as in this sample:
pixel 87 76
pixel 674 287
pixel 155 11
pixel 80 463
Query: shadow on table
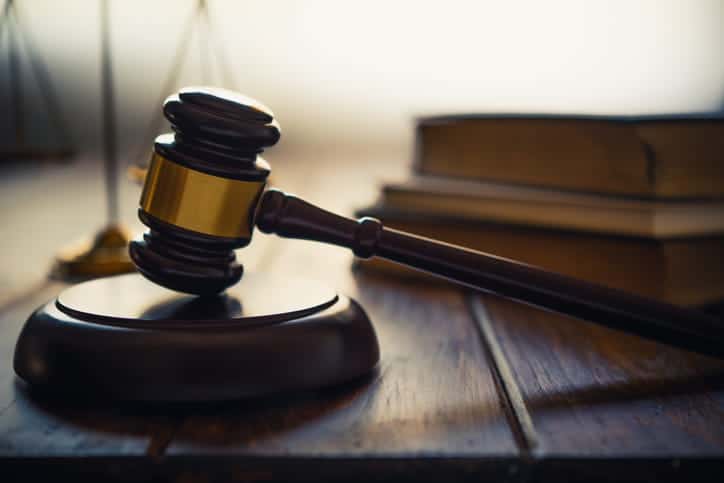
pixel 144 419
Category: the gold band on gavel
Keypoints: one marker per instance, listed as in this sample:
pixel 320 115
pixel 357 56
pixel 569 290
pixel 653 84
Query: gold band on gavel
pixel 198 201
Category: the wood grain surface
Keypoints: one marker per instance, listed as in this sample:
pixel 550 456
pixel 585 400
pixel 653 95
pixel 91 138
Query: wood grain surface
pixel 591 393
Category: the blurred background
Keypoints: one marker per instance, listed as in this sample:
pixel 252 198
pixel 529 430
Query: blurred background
pixel 345 80
pixel 350 76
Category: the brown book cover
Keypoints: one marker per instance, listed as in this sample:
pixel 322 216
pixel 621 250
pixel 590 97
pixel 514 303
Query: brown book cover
pixel 688 271
pixel 664 157
pixel 544 207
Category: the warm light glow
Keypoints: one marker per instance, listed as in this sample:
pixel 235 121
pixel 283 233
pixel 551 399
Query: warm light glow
pixel 350 75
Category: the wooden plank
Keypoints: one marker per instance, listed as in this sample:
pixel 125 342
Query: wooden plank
pixel 606 403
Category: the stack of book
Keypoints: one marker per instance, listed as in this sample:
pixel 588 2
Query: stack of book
pixel 632 203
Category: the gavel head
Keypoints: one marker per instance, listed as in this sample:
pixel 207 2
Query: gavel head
pixel 202 188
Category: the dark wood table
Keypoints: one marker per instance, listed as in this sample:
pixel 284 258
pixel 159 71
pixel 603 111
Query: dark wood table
pixel 470 387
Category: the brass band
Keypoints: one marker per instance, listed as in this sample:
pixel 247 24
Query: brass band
pixel 198 201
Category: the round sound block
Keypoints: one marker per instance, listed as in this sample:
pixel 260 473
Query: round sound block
pixel 130 339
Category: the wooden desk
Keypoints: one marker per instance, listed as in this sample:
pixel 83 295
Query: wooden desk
pixel 470 387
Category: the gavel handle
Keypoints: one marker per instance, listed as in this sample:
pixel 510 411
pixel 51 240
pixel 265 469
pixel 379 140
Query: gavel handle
pixel 291 217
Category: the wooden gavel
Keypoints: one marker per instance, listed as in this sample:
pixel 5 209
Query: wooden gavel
pixel 204 193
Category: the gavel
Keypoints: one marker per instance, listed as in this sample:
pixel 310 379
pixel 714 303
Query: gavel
pixel 205 192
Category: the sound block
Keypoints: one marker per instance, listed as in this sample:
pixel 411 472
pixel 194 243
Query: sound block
pixel 127 338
